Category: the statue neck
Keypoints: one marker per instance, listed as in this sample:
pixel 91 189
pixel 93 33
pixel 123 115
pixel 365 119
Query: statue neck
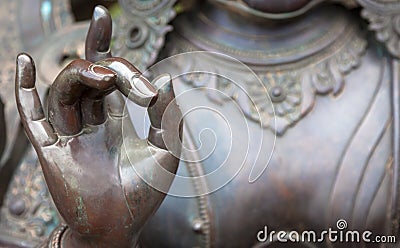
pixel 228 16
pixel 256 40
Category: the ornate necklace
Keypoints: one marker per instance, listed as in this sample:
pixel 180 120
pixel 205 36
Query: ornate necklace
pixel 292 75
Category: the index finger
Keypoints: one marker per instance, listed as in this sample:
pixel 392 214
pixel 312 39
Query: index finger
pixel 66 93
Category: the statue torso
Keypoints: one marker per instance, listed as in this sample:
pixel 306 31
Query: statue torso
pixel 332 157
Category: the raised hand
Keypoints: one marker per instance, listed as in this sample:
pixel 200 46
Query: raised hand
pixel 91 157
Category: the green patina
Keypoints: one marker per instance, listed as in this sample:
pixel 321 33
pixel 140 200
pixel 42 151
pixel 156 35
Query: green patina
pixel 81 212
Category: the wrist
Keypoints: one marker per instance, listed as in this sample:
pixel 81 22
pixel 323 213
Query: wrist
pixel 65 237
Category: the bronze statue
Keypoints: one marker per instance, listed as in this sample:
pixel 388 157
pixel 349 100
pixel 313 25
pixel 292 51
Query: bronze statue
pixel 317 100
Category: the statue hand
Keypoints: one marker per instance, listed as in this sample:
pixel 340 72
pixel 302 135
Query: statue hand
pixel 90 154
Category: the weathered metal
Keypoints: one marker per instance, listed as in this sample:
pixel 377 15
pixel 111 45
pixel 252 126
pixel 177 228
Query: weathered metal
pixel 327 164
pixel 332 121
pixel 81 147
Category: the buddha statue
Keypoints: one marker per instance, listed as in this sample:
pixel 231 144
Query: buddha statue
pixel 291 125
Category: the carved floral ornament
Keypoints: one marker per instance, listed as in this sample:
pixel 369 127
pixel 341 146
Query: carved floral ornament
pixel 384 19
pixel 139 33
pixel 28 213
pixel 291 88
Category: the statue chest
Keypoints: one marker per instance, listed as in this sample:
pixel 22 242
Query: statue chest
pixel 298 171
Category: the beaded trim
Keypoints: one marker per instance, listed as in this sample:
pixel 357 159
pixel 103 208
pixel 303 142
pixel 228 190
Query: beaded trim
pixel 55 239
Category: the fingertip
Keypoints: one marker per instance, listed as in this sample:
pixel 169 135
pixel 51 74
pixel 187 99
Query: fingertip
pixel 116 105
pixel 25 71
pixel 99 77
pixel 103 73
pixel 163 83
pixel 165 87
pixel 166 96
pixel 99 35
pixel 153 101
pixel 100 12
pixel 102 25
pixel 24 57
